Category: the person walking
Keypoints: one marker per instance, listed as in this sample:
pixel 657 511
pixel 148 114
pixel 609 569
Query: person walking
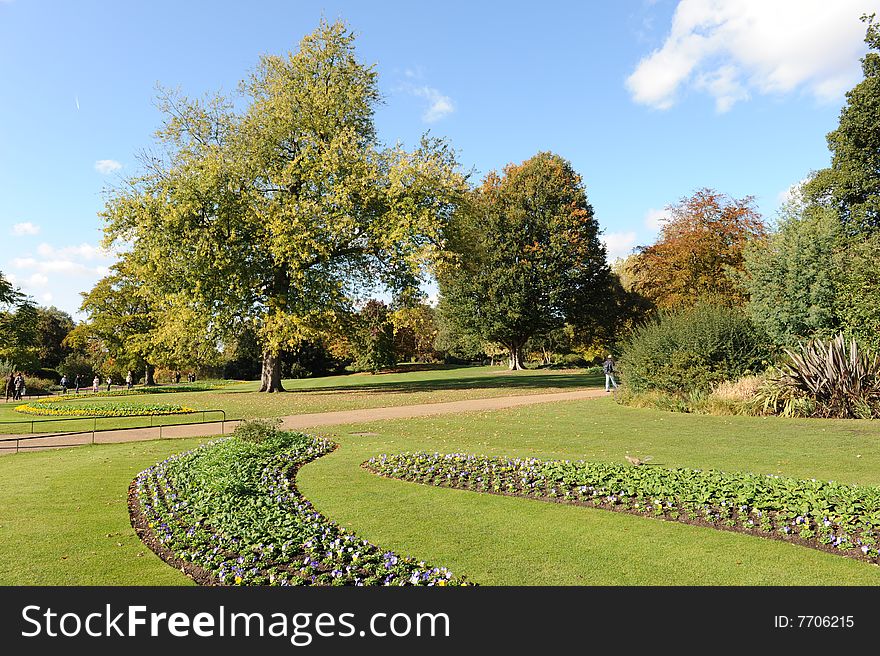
pixel 129 380
pixel 18 387
pixel 95 383
pixel 10 386
pixel 77 381
pixel 64 384
pixel 109 382
pixel 608 368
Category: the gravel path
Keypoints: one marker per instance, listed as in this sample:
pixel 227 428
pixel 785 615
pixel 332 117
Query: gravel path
pixel 300 422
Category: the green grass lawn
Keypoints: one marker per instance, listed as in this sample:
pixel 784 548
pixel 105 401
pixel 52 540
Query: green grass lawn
pixel 354 391
pixel 64 517
pixel 57 508
pixel 503 540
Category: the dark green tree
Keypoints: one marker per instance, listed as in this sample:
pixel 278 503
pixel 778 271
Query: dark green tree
pixel 857 297
pixel 851 185
pixel 53 326
pixel 8 294
pixel 18 328
pixel 19 342
pixel 525 256
pixel 792 277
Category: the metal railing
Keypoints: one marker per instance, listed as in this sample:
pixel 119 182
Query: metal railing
pixel 95 430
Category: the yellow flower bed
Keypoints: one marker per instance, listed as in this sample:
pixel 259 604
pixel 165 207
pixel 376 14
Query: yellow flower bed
pixel 55 408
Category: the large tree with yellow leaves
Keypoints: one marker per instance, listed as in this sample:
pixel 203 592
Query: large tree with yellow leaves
pixel 275 215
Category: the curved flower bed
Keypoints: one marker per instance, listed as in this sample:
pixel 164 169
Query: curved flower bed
pixel 824 515
pixel 56 407
pixel 229 513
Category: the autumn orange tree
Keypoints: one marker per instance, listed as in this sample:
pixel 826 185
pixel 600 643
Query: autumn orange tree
pixel 699 251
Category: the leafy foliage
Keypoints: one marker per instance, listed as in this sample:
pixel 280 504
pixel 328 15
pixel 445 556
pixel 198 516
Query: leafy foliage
pixel 415 331
pixel 258 430
pixel 8 293
pixel 827 379
pixel 857 297
pixel 821 513
pixel 373 337
pixel 526 256
pixel 851 185
pixel 231 509
pixel 791 278
pixel 693 349
pixel 19 339
pixel 699 251
pixel 274 217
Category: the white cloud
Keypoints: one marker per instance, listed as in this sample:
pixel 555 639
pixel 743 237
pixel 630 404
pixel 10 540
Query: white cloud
pixel 729 48
pixel 79 260
pixel 37 280
pixel 439 105
pixel 654 219
pixel 82 251
pixel 619 244
pixel 26 228
pixel 105 166
pixel 57 274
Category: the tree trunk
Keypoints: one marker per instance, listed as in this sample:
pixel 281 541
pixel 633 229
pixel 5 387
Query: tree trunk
pixel 149 371
pixel 515 358
pixel 270 376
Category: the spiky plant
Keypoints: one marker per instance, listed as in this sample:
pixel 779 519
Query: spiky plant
pixel 839 378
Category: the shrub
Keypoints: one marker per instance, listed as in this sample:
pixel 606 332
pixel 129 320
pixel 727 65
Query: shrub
pixel 257 430
pixel 574 360
pixel 76 363
pixel 825 379
pixel 46 374
pixel 693 350
pixel 39 386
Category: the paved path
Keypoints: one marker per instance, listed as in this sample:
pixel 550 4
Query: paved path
pixel 303 421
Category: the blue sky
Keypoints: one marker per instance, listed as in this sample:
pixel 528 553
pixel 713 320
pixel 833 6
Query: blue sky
pixel 650 100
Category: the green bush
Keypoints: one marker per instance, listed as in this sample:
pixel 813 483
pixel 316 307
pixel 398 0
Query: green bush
pixel 39 386
pixel 257 430
pixel 693 350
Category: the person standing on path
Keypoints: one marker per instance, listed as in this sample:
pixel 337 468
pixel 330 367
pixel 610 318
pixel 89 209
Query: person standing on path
pixel 109 382
pixel 10 386
pixel 608 368
pixel 95 383
pixel 129 379
pixel 77 381
pixel 64 384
